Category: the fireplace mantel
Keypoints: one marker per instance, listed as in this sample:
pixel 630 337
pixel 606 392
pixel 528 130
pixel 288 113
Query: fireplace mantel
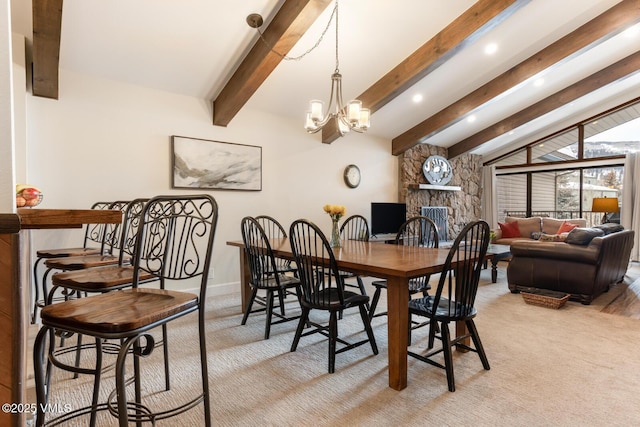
pixel 434 187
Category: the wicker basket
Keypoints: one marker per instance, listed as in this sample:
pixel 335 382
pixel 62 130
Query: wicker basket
pixel 544 297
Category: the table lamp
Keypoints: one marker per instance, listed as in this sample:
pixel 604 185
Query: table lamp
pixel 606 205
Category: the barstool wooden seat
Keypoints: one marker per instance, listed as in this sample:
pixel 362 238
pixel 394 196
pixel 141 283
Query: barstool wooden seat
pixel 92 244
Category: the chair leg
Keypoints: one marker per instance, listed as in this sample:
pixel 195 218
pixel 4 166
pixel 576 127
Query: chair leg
pixel 448 355
pixel 333 335
pixel 471 326
pixel 39 374
pixel 301 324
pixel 78 350
pixel 121 392
pixel 363 291
pixel 36 288
pixel 374 303
pixel 367 327
pixel 269 301
pixel 204 369
pixel 165 350
pixel 96 383
pixel 281 294
pixel 247 310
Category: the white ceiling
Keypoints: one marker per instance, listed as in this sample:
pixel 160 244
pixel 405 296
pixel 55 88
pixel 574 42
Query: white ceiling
pixel 191 47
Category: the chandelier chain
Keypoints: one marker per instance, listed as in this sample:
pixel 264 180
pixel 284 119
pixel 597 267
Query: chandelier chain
pixel 312 48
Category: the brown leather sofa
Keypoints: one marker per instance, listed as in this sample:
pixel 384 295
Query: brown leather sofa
pixel 584 271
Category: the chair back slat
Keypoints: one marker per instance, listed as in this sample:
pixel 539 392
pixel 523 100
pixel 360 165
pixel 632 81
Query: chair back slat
pixel 461 273
pixel 317 266
pixel 175 238
pixel 418 231
pixel 355 227
pixel 274 230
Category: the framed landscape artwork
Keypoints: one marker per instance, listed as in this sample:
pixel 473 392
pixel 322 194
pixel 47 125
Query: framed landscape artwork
pixel 205 164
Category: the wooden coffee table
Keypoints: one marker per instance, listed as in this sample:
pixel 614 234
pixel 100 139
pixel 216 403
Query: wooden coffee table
pixel 497 253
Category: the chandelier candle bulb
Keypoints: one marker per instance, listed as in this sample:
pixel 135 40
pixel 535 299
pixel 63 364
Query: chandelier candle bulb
pixel 316 110
pixel 365 114
pixel 354 111
pixel 308 124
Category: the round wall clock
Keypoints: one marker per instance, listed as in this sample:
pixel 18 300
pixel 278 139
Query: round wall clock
pixel 437 170
pixel 352 176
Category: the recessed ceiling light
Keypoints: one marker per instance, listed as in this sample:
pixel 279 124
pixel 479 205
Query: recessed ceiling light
pixel 538 82
pixel 417 98
pixel 512 132
pixel 491 48
pixel 471 118
pixel 541 145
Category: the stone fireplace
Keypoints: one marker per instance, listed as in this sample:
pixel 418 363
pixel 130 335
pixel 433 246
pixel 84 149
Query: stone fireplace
pixel 462 206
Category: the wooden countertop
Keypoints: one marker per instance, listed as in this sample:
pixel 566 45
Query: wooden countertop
pixel 66 218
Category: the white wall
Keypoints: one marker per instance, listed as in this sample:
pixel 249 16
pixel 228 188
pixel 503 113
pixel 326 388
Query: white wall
pixel 7 189
pixel 103 140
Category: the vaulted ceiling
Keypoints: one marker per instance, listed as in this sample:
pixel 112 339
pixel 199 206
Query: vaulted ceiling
pixel 555 62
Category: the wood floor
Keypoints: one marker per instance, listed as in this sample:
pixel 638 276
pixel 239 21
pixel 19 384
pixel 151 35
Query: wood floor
pixel 628 302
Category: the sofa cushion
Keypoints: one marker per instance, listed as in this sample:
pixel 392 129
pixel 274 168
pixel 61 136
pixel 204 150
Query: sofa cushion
pixel 527 225
pixel 583 236
pixel 509 229
pixel 610 227
pixel 566 227
pixel 552 225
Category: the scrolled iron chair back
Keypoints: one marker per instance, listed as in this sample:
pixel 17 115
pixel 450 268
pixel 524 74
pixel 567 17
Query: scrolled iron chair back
pixel 176 237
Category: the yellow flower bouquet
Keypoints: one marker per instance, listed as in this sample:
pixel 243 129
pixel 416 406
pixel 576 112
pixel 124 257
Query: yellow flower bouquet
pixel 335 212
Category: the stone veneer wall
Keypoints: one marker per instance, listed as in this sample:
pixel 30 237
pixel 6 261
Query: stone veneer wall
pixel 462 206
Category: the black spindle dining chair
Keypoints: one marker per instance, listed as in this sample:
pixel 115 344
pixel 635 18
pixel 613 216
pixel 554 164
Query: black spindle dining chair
pixel 454 299
pixel 323 289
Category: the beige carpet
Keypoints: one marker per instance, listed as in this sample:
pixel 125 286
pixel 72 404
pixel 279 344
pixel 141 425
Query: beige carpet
pixel 575 366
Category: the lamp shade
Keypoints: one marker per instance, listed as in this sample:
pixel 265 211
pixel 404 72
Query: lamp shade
pixel 605 204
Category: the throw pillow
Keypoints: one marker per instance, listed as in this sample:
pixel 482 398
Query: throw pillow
pixel 565 227
pixel 536 235
pixel 509 230
pixel 610 227
pixel 553 237
pixel 526 226
pixel 583 236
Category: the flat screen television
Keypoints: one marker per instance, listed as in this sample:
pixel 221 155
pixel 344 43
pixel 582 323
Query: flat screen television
pixel 387 217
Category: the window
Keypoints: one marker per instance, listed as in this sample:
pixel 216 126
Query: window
pixel 568 169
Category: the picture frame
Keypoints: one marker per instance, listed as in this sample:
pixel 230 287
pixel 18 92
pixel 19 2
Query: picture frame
pixel 207 164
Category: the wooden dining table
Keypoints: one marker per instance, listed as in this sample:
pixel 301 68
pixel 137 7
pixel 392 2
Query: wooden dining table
pixel 395 263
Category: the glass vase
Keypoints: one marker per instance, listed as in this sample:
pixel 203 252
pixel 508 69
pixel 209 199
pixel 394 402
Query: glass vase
pixel 335 234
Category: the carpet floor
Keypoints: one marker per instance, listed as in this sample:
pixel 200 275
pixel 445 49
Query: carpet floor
pixel 575 366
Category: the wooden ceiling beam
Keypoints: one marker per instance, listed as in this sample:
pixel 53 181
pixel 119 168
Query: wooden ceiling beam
pixel 472 24
pixel 47 27
pixel 620 70
pixel 596 31
pixel 287 27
